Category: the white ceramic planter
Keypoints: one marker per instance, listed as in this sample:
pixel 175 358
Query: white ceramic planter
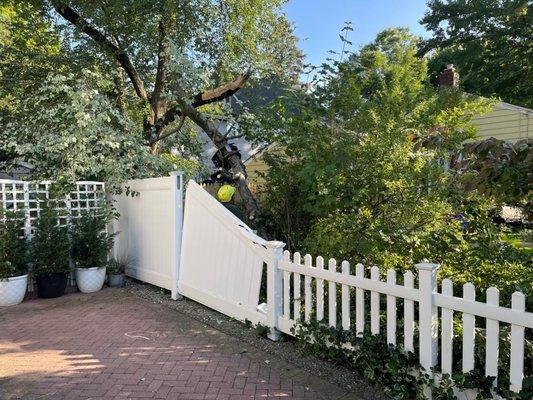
pixel 90 280
pixel 13 290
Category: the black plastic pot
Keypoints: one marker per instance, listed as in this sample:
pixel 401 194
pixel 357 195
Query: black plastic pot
pixel 116 280
pixel 51 285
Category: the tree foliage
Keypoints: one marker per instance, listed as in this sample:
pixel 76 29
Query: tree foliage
pixel 30 49
pixel 490 43
pixel 70 130
pixel 165 65
pixel 499 169
pixel 360 173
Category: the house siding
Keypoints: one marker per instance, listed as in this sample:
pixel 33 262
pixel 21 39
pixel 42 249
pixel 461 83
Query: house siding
pixel 505 123
pixel 255 167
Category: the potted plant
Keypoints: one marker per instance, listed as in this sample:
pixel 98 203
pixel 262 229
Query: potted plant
pixel 116 269
pixel 50 254
pixel 90 248
pixel 13 259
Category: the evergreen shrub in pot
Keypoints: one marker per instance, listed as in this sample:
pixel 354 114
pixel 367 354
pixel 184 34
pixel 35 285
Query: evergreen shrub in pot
pixel 50 254
pixel 13 259
pixel 89 251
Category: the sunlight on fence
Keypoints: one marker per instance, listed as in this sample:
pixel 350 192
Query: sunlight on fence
pixel 344 286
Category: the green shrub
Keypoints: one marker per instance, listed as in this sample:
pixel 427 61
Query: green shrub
pixel 13 246
pixel 358 172
pixel 50 243
pixel 90 241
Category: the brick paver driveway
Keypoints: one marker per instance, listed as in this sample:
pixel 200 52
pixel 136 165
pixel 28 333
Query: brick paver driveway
pixel 112 344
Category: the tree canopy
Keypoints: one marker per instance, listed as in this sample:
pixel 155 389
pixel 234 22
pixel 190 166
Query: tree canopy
pixel 490 43
pixel 361 172
pixel 163 65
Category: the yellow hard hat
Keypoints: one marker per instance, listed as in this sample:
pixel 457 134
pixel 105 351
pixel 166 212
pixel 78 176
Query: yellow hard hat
pixel 225 193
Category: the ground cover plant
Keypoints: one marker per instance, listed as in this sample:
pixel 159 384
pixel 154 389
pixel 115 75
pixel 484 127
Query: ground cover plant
pixel 398 372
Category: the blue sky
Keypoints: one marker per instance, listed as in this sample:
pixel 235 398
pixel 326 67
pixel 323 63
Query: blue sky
pixel 318 22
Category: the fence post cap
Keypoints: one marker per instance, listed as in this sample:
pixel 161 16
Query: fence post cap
pixel 427 266
pixel 176 173
pixel 274 244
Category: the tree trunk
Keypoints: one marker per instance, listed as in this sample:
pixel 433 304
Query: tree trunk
pixel 160 116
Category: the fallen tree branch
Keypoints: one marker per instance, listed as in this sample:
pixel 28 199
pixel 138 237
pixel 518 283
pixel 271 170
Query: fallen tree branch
pixel 237 168
pixel 206 97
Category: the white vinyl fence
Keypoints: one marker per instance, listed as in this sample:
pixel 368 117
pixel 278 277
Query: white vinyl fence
pixel 149 229
pixel 26 197
pixel 222 259
pixel 222 262
pixel 287 309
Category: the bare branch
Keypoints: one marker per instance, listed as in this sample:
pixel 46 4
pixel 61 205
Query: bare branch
pixel 221 92
pixel 207 97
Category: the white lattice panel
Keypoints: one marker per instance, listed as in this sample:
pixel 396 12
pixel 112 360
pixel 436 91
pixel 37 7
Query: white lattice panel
pixel 27 197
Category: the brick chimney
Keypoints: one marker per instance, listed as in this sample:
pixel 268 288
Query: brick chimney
pixel 449 77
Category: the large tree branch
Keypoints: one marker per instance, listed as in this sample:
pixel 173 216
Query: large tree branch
pixel 237 168
pixel 171 132
pixel 81 23
pixel 206 97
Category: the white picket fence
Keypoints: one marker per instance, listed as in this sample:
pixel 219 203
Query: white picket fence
pixel 26 197
pixel 286 302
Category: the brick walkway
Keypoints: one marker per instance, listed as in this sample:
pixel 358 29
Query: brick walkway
pixel 113 345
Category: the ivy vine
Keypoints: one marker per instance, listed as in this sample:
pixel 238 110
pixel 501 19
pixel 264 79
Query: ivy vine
pixel 396 370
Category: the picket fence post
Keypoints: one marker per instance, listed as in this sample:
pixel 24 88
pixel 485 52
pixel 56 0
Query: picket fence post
pixel 428 314
pixel 274 287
